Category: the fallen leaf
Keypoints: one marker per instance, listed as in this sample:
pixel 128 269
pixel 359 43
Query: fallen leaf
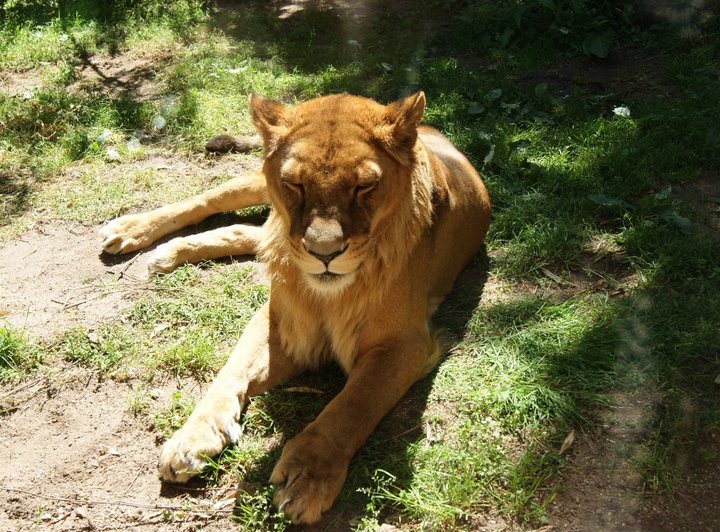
pixel 552 276
pixel 4 312
pixel 622 110
pixel 569 439
pixel 717 379
pixel 219 505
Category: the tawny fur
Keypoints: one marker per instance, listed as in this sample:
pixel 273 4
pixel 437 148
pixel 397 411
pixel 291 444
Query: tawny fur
pixel 373 216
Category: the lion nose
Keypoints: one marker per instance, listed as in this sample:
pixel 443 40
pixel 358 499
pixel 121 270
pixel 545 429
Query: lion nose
pixel 324 240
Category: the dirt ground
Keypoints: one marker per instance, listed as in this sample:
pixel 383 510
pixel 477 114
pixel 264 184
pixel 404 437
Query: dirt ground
pixel 54 279
pixel 75 458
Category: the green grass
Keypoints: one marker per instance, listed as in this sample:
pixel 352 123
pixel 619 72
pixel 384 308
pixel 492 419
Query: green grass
pixel 18 355
pixel 195 323
pixel 170 419
pixel 603 274
pixel 103 350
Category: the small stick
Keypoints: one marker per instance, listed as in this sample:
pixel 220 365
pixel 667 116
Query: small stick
pixel 121 273
pixel 24 386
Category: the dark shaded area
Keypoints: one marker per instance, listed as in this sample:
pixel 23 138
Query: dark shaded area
pixel 14 196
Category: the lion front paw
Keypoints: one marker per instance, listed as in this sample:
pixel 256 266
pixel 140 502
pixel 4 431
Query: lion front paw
pixel 126 234
pixel 164 259
pixel 310 474
pixel 186 454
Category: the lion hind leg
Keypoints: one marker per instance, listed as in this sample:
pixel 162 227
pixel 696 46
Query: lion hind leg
pixel 137 231
pixel 234 240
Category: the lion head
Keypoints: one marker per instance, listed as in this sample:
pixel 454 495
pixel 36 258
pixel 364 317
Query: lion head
pixel 344 176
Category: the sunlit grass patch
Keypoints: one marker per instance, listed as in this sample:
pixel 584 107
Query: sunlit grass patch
pixel 497 408
pixel 193 322
pixel 224 304
pixel 103 350
pixel 28 46
pixel 94 192
pixel 18 355
pixel 255 510
pixel 172 417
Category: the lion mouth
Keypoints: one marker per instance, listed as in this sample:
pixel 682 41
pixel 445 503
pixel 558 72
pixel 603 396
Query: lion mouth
pixel 327 277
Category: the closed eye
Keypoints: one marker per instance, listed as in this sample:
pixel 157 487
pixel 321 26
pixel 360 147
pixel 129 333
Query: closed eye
pixel 296 188
pixel 365 188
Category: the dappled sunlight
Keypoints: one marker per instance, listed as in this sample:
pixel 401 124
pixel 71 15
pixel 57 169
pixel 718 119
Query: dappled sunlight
pixel 592 319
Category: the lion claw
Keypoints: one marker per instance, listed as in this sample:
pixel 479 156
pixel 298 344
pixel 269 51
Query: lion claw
pixel 203 436
pixel 125 234
pixel 284 504
pixel 310 479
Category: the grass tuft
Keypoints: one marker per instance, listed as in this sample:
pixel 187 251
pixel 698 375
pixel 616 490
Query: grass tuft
pixel 18 356
pixel 102 350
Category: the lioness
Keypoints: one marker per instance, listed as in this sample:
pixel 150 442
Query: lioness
pixel 373 216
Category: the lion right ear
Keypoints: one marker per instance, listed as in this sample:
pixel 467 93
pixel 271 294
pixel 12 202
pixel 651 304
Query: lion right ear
pixel 269 119
pixel 399 129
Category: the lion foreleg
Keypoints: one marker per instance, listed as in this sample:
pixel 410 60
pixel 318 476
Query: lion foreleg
pixel 313 465
pixel 235 240
pixel 257 364
pixel 136 231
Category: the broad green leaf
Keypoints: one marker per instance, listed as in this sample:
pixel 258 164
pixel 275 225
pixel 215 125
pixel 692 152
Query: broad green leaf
pixel 608 201
pixel 683 223
pixel 597 45
pixel 493 95
pixel 475 108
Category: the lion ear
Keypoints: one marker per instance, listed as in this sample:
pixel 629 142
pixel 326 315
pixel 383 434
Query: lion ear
pixel 402 118
pixel 269 119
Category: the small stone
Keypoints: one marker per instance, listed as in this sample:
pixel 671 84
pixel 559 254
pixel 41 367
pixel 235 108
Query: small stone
pixel 387 527
pixel 228 143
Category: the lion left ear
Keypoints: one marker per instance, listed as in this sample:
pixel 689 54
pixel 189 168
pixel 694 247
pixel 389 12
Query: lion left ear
pixel 401 121
pixel 269 119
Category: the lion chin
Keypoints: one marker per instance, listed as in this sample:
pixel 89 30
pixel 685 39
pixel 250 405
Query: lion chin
pixel 329 284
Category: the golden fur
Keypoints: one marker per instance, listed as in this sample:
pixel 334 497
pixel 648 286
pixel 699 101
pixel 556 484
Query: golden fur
pixel 373 216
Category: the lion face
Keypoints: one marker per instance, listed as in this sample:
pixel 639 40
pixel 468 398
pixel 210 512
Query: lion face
pixel 337 168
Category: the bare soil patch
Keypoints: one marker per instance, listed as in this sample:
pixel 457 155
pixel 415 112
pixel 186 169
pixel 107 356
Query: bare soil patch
pixel 134 76
pixel 600 490
pixel 18 83
pixel 54 279
pixel 695 503
pixel 53 275
pixel 76 459
pixel 627 72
